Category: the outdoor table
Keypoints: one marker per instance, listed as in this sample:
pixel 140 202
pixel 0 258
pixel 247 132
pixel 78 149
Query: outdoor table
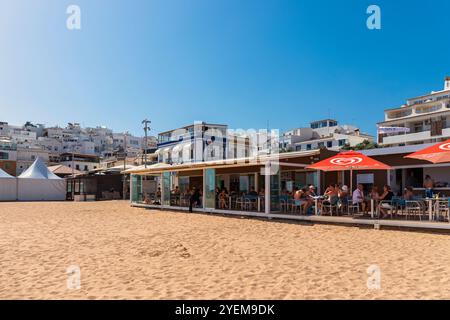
pixel 431 205
pixel 259 202
pixel 316 204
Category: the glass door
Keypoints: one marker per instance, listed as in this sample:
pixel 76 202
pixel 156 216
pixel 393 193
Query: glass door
pixel 210 188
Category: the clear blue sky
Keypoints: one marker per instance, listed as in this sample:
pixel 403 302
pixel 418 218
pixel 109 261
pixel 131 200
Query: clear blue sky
pixel 238 62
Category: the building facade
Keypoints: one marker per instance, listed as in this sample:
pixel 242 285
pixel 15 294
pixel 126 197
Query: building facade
pixel 423 119
pixel 8 156
pixel 203 141
pixel 26 157
pixel 325 133
pixel 80 162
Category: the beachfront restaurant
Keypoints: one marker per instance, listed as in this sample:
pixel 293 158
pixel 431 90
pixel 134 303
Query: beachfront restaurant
pixel 252 192
pixel 247 187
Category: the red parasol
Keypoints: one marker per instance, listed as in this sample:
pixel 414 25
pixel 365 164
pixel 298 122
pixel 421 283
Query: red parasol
pixel 437 153
pixel 349 160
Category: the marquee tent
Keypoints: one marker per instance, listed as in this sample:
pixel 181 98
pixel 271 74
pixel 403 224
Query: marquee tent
pixel 38 183
pixel 8 187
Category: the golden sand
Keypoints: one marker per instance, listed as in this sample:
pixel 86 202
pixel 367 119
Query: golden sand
pixel 132 253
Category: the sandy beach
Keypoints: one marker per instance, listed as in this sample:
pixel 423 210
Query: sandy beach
pixel 132 253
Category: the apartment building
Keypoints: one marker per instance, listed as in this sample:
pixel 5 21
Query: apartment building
pixel 322 133
pixel 80 162
pixel 8 156
pixel 423 119
pixel 27 155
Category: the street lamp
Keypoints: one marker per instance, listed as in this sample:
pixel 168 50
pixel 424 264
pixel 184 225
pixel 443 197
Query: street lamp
pixel 125 165
pixel 145 122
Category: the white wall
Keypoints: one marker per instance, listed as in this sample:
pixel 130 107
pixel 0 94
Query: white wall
pixel 439 174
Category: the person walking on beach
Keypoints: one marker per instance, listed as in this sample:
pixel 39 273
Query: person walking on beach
pixel 194 199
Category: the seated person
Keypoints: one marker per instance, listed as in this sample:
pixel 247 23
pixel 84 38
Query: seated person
pixel 331 194
pixel 358 197
pixel 253 192
pixel 343 195
pixel 301 199
pixel 312 191
pixel 408 194
pixel 386 196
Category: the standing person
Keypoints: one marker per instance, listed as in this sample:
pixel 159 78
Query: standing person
pixel 223 197
pixel 194 199
pixel 428 184
pixel 411 180
pixel 358 197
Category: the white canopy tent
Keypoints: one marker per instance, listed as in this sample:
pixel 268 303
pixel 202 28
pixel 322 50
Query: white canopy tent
pixel 8 187
pixel 38 183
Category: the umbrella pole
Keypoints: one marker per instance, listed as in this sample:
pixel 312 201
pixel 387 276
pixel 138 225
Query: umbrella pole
pixel 351 184
pixel 351 181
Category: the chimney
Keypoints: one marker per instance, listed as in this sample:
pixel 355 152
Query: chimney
pixel 447 83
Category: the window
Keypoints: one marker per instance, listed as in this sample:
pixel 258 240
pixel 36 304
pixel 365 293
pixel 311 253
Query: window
pixel 341 142
pixel 298 148
pixel 329 144
pixel 4 155
pixel 308 147
pixel 321 144
pixel 77 166
pixel 85 168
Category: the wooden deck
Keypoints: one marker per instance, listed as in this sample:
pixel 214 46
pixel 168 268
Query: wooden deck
pixel 340 220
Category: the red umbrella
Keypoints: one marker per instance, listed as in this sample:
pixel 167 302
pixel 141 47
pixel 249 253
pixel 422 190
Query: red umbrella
pixel 438 153
pixel 350 160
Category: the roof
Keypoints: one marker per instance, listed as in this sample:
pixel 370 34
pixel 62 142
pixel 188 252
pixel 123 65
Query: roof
pixel 38 170
pixel 191 125
pixel 4 175
pixel 63 170
pixel 395 150
pixel 260 160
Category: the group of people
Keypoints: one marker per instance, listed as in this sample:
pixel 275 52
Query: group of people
pixel 335 195
pixel 338 195
pixel 303 197
pixel 364 204
pixel 223 196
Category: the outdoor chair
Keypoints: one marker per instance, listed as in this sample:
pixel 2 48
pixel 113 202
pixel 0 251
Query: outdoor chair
pixel 296 207
pixel 240 203
pixel 414 208
pixel 352 208
pixel 329 208
pixel 441 210
pixel 390 208
pixel 284 203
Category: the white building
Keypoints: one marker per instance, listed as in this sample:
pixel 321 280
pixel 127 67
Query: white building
pixel 203 141
pixel 26 157
pixel 99 141
pixel 8 156
pixel 323 133
pixel 423 119
pixel 80 162
pixel 132 144
pixel 20 135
